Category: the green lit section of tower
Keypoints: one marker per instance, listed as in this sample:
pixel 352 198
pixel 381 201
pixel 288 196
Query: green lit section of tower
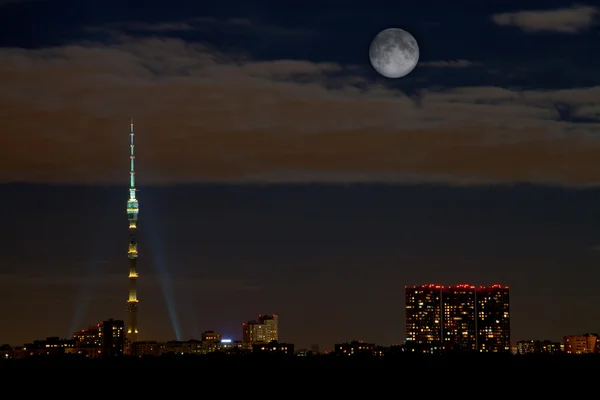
pixel 132 252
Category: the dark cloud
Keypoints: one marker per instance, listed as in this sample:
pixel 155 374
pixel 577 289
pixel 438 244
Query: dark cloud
pixel 198 24
pixel 160 27
pixel 565 20
pixel 206 116
pixel 245 23
pixel 449 64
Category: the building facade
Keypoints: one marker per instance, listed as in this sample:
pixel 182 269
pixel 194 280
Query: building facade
pixel 273 348
pixel 493 319
pixel 459 322
pixel 263 330
pixel 424 318
pixel 457 318
pixel 581 344
pixel 354 348
pixel 538 347
pixel 211 337
pixel 112 338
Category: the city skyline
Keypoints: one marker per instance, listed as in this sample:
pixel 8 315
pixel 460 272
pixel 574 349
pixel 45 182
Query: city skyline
pixel 108 339
pixel 460 319
pixel 278 172
pixel 229 215
pixel 454 318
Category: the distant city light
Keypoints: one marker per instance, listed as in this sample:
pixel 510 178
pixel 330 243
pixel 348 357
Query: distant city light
pixel 225 340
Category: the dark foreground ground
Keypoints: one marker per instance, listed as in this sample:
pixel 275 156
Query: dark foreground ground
pixel 528 361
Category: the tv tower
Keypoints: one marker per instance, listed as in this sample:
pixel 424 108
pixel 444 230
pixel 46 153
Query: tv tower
pixel 132 252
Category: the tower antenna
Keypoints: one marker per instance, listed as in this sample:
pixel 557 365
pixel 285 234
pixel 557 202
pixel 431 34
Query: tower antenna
pixel 132 252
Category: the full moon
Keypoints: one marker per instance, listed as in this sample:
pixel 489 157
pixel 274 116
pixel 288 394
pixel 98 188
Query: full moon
pixel 394 53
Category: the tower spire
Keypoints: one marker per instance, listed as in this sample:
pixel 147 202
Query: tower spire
pixel 131 160
pixel 132 252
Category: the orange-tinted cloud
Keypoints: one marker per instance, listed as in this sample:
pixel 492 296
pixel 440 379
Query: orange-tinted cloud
pixel 565 20
pixel 203 116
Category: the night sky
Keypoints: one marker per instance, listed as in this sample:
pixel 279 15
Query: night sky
pixel 279 173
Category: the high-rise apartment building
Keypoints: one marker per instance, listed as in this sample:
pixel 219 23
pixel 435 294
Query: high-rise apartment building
pixel 459 327
pixel 424 317
pixel 112 338
pixel 263 330
pixel 493 319
pixel 461 317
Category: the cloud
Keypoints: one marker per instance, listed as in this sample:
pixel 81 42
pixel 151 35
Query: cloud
pixel 242 25
pixel 565 20
pixel 449 64
pixel 204 116
pixel 247 24
pixel 160 27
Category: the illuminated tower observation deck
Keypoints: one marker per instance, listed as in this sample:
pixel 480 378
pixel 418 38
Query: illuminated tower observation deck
pixel 132 252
